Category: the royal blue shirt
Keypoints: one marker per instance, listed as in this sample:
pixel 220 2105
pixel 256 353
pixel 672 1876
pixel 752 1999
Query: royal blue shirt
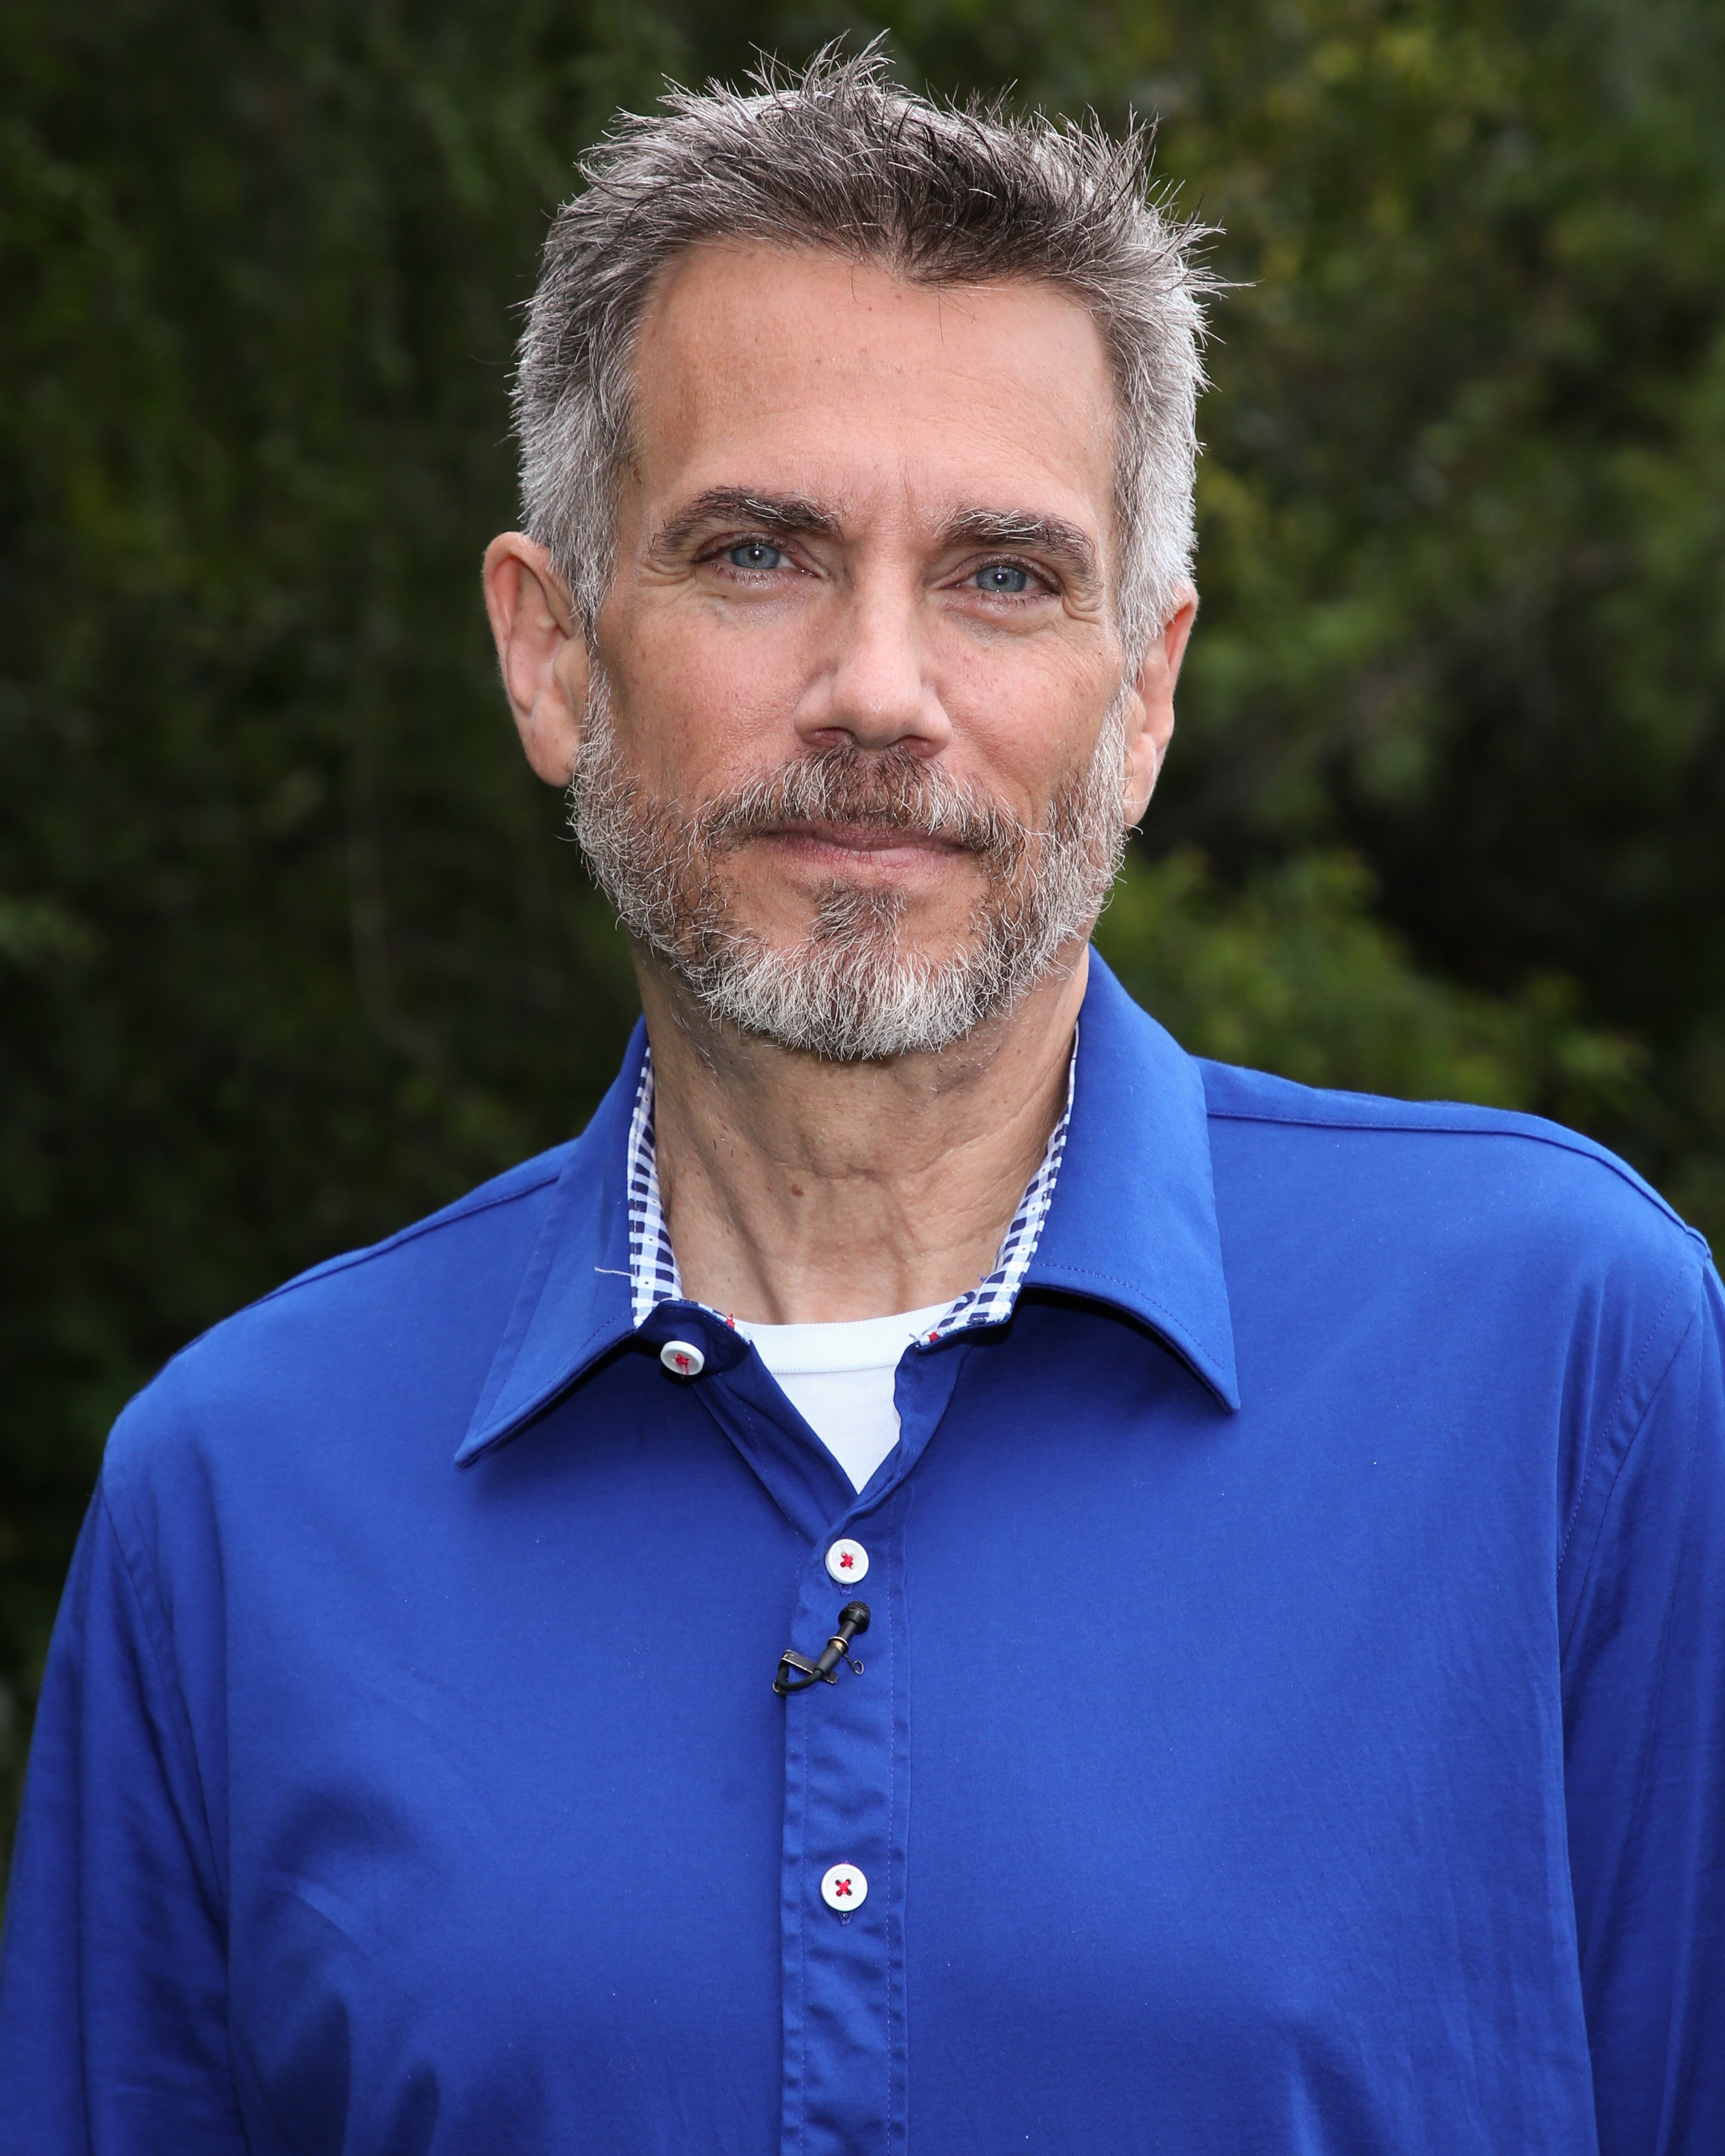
pixel 1292 1718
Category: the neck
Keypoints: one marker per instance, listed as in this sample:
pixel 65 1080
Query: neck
pixel 797 1191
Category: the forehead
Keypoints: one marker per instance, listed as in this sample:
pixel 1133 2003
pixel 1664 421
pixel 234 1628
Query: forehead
pixel 791 371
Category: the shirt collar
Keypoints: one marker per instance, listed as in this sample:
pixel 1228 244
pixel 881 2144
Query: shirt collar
pixel 1127 1217
pixel 1133 1222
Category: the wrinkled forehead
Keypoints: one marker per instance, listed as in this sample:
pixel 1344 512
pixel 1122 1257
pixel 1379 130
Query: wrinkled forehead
pixel 800 371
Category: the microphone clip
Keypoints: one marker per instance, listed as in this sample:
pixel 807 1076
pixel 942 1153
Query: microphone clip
pixel 797 1674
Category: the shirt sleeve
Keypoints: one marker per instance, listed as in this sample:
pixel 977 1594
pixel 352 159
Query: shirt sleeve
pixel 113 1985
pixel 1645 1758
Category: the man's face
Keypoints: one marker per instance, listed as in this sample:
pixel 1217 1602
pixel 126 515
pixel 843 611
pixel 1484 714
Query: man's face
pixel 859 694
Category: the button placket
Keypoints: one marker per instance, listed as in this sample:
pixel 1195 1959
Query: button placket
pixel 847 1752
pixel 839 1980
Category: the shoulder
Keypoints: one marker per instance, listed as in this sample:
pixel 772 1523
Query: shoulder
pixel 495 1215
pixel 1516 1187
pixel 405 1327
pixel 468 1239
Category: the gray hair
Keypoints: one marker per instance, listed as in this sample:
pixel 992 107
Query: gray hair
pixel 838 157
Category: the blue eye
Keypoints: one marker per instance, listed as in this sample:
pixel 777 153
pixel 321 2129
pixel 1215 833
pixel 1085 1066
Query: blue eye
pixel 1002 578
pixel 755 554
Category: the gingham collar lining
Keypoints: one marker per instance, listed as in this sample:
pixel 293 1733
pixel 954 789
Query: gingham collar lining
pixel 654 1277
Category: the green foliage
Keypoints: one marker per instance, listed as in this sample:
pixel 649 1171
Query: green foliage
pixel 1295 973
pixel 289 949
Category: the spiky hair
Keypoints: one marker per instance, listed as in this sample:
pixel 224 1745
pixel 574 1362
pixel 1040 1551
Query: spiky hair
pixel 837 156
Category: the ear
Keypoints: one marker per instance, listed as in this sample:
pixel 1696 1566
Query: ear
pixel 540 652
pixel 1152 727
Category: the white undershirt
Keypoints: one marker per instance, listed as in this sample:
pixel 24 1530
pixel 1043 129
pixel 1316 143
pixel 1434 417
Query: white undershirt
pixel 839 1380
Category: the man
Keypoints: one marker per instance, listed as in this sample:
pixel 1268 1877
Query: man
pixel 1285 1712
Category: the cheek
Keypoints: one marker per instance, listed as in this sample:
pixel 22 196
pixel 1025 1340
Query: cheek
pixel 1024 719
pixel 696 711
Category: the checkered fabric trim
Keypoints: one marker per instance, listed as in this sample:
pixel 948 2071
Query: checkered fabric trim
pixel 992 1303
pixel 653 1273
pixel 654 1277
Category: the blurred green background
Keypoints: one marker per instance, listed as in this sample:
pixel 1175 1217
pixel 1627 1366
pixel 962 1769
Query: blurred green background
pixel 290 948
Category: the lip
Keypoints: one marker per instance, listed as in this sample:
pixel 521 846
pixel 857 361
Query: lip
pixel 861 846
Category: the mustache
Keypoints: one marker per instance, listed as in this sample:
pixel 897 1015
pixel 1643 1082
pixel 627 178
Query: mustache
pixel 880 790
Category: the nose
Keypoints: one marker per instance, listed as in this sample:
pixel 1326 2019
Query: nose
pixel 873 690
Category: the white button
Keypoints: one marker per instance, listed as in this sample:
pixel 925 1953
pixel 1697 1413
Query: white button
pixel 847 1561
pixel 843 1888
pixel 682 1358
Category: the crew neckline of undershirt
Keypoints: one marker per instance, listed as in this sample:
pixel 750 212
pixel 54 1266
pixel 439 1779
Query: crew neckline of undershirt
pixel 839 1344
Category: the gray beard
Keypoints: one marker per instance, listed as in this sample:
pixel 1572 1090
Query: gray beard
pixel 857 990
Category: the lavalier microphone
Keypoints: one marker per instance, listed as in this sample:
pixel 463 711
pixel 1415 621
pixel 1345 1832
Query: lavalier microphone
pixel 797 1674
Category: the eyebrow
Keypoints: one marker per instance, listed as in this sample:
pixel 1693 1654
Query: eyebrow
pixel 1052 535
pixel 784 516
